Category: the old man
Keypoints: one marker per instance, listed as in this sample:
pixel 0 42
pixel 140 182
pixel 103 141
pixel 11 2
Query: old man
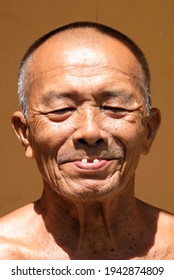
pixel 86 118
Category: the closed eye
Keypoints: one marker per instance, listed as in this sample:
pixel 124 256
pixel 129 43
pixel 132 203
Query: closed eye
pixel 62 111
pixel 115 109
pixel 60 115
pixel 115 112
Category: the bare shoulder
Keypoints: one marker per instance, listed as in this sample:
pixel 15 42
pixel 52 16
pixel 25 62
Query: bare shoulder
pixel 165 234
pixel 16 230
pixel 163 222
pixel 13 224
pixel 9 250
pixel 166 224
pixel 163 217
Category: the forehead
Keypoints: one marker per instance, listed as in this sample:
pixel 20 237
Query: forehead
pixel 83 48
pixel 84 63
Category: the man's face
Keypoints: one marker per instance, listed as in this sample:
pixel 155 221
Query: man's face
pixel 87 116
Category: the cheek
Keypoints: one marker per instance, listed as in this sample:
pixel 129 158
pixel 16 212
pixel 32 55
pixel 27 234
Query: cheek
pixel 47 139
pixel 49 136
pixel 130 133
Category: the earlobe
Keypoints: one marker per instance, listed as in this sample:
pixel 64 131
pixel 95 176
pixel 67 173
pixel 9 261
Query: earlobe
pixel 21 129
pixel 153 123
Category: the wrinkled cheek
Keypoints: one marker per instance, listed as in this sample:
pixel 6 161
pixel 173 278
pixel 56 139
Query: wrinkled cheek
pixel 45 157
pixel 132 157
pixel 133 148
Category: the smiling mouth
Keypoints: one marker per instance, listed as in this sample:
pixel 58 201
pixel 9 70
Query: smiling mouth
pixel 90 164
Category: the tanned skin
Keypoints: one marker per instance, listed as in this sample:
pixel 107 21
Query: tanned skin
pixel 87 126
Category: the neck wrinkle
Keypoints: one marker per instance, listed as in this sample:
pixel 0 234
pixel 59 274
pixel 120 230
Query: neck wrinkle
pixel 115 228
pixel 107 215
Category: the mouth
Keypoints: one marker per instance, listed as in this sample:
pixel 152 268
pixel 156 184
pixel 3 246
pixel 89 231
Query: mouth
pixel 90 164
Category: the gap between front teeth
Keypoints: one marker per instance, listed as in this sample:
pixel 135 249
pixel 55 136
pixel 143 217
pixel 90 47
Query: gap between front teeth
pixel 84 160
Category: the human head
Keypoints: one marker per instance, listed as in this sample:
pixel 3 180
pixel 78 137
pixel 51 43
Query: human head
pixel 24 79
pixel 87 122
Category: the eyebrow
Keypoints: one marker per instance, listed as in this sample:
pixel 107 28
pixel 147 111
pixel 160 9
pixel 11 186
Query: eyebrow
pixel 117 94
pixel 53 95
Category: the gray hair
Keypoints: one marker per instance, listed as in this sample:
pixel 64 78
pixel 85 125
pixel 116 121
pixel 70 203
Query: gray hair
pixel 24 75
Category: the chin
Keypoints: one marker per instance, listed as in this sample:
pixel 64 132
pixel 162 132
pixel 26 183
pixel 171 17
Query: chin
pixel 88 190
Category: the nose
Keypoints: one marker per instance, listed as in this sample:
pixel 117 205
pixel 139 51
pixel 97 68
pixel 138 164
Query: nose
pixel 89 131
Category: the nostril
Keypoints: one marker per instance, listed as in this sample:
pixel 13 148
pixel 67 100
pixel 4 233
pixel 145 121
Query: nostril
pixel 84 142
pixel 100 140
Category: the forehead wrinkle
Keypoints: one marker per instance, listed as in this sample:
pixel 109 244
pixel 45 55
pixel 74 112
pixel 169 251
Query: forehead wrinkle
pixel 97 61
pixel 84 72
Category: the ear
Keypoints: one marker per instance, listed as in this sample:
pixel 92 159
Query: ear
pixel 20 127
pixel 153 123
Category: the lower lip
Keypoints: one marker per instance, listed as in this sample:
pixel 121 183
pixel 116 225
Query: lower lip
pixel 90 165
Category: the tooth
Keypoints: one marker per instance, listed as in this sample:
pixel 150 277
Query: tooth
pixel 84 160
pixel 96 160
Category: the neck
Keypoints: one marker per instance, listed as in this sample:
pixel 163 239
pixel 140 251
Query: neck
pixel 93 227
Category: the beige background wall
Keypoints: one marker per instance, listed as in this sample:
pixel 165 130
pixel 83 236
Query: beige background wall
pixel 150 23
